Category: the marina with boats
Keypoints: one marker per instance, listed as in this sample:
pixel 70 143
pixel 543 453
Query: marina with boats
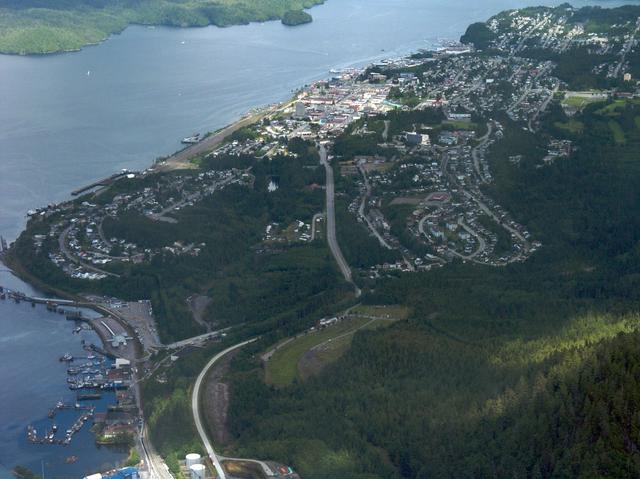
pixel 50 436
pixel 100 380
pixel 93 374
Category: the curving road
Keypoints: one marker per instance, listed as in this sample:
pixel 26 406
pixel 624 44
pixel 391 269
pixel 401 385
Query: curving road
pixel 62 244
pixel 477 198
pixel 195 406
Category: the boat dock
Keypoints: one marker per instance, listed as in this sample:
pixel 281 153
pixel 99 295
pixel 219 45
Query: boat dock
pixel 75 407
pixel 50 435
pixel 104 182
pixel 53 305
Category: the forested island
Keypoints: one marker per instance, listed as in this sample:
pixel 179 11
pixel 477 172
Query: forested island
pixel 48 26
pixel 487 204
pixel 296 17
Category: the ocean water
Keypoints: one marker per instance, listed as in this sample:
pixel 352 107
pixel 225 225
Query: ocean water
pixel 33 380
pixel 68 119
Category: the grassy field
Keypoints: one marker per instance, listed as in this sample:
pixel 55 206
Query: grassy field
pixel 580 99
pixel 308 354
pixel 282 368
pixel 329 351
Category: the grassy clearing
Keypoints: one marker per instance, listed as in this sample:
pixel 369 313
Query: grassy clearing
pixel 575 100
pixel 133 459
pixel 282 369
pixel 332 349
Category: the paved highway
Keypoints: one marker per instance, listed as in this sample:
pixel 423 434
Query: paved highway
pixel 155 465
pixel 331 221
pixel 195 406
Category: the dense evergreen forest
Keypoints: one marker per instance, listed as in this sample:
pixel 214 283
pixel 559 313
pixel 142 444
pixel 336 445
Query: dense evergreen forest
pixel 46 26
pixel 275 287
pixel 529 370
pixel 526 371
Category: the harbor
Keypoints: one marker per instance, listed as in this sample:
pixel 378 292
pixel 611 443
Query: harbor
pixel 50 436
pixel 94 374
pixel 34 337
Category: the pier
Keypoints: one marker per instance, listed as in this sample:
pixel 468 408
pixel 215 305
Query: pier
pixel 75 407
pixel 104 182
pixel 51 304
pixel 50 436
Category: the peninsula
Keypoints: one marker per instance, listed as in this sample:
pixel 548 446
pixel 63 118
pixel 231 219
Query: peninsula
pixel 41 27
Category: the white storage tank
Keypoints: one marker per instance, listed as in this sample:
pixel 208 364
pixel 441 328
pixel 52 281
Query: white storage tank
pixel 198 471
pixel 192 459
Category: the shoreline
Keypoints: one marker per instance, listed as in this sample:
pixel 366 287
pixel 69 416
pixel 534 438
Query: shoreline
pixel 109 35
pixel 100 341
pixel 15 267
pixel 181 159
pixel 178 160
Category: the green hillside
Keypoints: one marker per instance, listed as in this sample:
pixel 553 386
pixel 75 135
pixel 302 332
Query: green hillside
pixel 527 371
pixel 42 26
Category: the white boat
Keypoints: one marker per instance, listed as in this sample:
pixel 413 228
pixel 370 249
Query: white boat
pixel 190 140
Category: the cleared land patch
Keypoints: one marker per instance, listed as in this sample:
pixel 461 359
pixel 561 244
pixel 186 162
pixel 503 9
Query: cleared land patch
pixel 579 99
pixel 310 352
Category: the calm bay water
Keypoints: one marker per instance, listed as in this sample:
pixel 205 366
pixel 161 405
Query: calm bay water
pixel 68 119
pixel 32 381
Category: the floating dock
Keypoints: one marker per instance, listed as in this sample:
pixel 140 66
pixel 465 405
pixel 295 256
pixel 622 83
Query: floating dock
pixel 50 435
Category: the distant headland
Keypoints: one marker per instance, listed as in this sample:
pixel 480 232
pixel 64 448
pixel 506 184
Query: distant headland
pixel 37 27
